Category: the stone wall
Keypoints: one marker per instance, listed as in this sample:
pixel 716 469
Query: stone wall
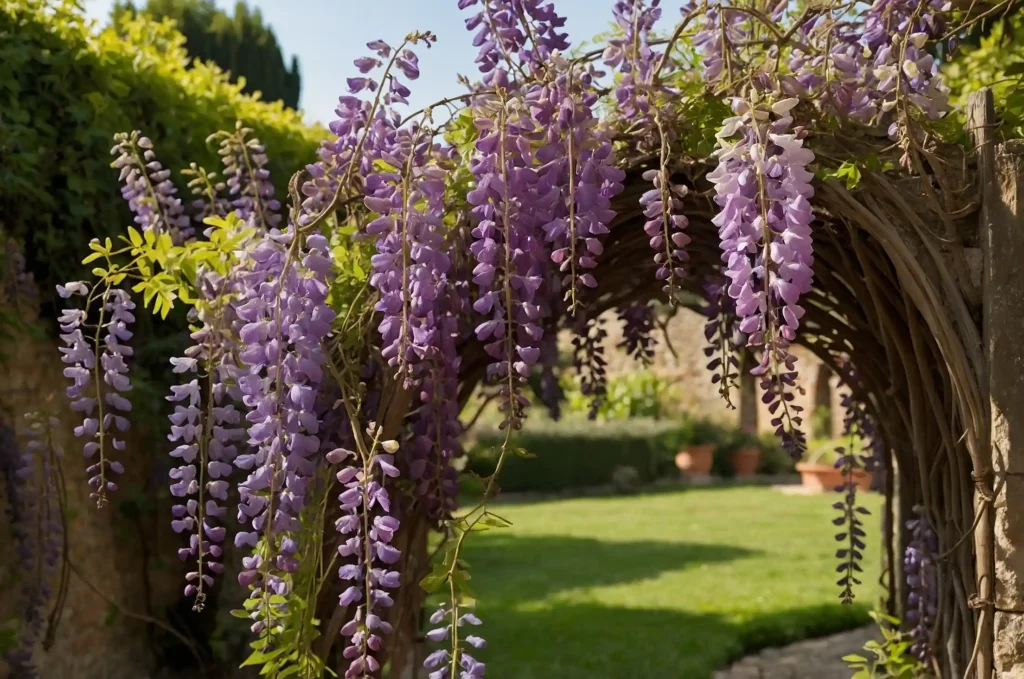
pixel 105 547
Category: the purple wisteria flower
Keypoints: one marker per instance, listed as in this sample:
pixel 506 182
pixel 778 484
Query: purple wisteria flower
pixel 246 178
pixel 723 338
pixel 637 320
pixel 763 190
pixel 412 262
pixel 633 56
pixel 80 357
pixel 148 188
pixel 514 34
pixel 34 516
pixel 719 39
pixel 576 179
pixel 591 365
pixel 665 226
pixel 206 433
pixel 510 257
pixel 443 662
pixel 369 557
pixel 285 315
pixel 920 571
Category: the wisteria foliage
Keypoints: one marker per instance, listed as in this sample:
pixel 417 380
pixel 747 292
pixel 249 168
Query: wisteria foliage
pixel 414 238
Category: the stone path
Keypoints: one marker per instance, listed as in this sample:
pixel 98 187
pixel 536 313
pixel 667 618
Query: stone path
pixel 814 659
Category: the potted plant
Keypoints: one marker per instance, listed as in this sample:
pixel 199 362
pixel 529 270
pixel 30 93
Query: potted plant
pixel 694 459
pixel 818 471
pixel 745 456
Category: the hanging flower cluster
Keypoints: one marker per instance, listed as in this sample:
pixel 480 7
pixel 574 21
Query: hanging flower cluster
pixel 723 338
pixel 509 256
pixel 591 365
pixel 665 226
pixel 762 188
pixel 445 664
pixel 637 327
pixel 206 427
pixel 87 394
pixel 577 180
pixel 721 34
pixel 633 56
pixel 246 180
pixel 148 188
pixel 286 318
pixel 207 195
pixel 524 29
pixel 864 444
pixel 33 513
pixel 367 529
pixel 919 568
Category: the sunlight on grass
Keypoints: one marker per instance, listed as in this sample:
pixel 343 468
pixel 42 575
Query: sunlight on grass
pixel 662 585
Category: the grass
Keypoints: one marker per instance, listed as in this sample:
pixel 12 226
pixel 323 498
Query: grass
pixel 666 585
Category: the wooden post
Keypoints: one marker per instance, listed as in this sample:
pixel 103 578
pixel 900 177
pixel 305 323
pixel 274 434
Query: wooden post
pixel 1002 240
pixel 980 123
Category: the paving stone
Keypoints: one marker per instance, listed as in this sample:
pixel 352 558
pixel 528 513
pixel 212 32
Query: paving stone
pixel 813 659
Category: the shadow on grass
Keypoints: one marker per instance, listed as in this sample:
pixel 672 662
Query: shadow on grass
pixel 592 641
pixel 543 565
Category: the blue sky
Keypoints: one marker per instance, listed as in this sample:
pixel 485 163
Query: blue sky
pixel 328 34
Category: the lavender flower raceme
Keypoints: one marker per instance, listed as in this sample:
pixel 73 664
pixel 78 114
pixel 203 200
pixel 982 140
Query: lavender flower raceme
pixel 664 226
pixel 516 33
pixel 206 428
pixel 634 57
pixel 246 179
pixel 723 338
pixel 591 365
pixel 412 263
pixel 36 523
pixel 763 188
pixel 577 180
pixel 506 246
pixel 148 188
pixel 367 529
pixel 919 568
pixel 80 357
pixel 718 40
pixel 207 198
pixel 441 661
pixel 637 325
pixel 284 310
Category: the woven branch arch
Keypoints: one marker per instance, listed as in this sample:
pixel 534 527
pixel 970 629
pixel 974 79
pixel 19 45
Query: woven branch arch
pixel 890 297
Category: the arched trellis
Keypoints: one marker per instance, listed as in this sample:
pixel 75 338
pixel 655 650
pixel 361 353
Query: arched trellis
pixel 895 295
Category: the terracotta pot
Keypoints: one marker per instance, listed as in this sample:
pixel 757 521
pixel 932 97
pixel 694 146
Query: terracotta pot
pixel 695 461
pixel 744 461
pixel 824 478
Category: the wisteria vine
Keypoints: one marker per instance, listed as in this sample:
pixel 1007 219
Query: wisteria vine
pixel 413 241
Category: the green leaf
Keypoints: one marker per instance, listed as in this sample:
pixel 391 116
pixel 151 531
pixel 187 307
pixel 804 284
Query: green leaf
pixel 854 658
pixel 238 613
pixel 134 236
pixel 494 521
pixel 92 258
pixel 433 582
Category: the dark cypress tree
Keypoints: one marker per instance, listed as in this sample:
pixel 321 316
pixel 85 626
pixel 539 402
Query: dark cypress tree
pixel 241 44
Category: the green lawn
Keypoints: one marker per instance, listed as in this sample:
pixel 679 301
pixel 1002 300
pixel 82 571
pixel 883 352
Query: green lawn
pixel 667 585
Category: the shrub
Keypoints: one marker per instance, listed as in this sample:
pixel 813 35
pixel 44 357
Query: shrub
pixel 577 453
pixel 580 453
pixel 639 394
pixel 65 91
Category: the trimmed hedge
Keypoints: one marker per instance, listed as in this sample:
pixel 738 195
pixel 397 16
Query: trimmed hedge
pixel 580 453
pixel 65 90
